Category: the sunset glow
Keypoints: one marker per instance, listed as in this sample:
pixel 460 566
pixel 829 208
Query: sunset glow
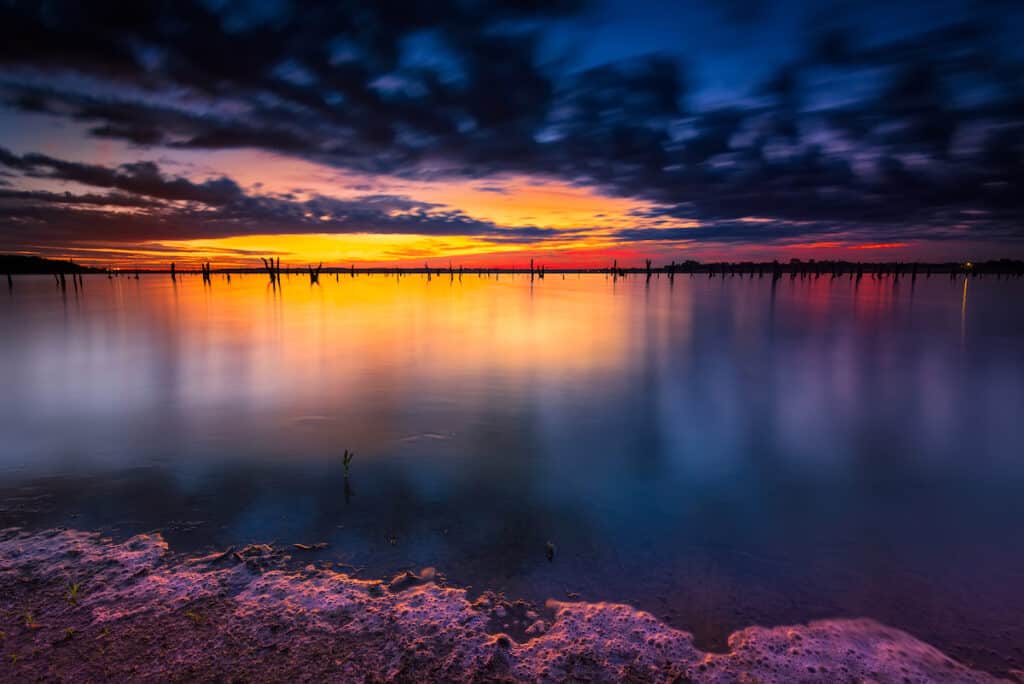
pixel 422 147
pixel 513 341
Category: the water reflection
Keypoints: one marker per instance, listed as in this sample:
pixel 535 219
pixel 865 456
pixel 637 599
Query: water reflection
pixel 717 450
pixel 963 315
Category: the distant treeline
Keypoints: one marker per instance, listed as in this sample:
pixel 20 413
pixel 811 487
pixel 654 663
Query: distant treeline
pixel 836 268
pixel 275 269
pixel 17 264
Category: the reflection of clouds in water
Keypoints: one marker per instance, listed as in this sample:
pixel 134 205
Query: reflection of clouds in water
pixel 427 436
pixel 692 369
pixel 664 438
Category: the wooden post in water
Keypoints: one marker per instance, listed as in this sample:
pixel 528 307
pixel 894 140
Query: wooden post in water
pixel 273 272
pixel 173 275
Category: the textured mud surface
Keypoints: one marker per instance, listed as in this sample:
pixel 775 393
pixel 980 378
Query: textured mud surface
pixel 76 607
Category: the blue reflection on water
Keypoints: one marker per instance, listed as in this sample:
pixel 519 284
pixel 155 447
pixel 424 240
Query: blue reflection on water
pixel 719 452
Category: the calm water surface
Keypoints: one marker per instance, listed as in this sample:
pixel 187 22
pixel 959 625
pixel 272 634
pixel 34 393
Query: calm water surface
pixel 720 453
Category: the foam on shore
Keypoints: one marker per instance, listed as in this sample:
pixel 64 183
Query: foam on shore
pixel 143 613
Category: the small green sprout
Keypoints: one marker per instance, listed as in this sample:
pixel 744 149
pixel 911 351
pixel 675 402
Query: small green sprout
pixel 72 596
pixel 30 621
pixel 346 458
pixel 195 617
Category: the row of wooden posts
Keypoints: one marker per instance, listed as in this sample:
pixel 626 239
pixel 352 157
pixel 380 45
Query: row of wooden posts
pixel 272 267
pixel 775 269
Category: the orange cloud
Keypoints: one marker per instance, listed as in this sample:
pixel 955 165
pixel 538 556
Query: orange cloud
pixel 881 245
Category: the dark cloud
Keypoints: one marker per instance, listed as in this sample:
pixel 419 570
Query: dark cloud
pixel 495 189
pixel 782 233
pixel 905 136
pixel 163 207
pixel 743 12
pixel 112 199
pixel 140 178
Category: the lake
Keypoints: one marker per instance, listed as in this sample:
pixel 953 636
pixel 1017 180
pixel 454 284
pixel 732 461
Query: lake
pixel 720 452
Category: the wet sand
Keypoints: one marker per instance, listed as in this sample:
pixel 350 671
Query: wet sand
pixel 78 607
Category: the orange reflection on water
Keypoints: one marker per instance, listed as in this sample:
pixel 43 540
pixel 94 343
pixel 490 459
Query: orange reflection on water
pixel 359 360
pixel 245 357
pixel 370 335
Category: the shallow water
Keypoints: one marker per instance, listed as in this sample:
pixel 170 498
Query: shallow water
pixel 719 452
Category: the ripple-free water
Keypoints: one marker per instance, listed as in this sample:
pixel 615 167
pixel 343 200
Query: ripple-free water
pixel 718 452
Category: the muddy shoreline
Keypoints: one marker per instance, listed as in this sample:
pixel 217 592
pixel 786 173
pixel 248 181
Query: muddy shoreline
pixel 77 607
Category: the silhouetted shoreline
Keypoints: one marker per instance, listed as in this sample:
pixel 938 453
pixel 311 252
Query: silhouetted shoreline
pixel 17 264
pixel 24 265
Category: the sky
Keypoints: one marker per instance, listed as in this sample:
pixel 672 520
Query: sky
pixel 488 133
